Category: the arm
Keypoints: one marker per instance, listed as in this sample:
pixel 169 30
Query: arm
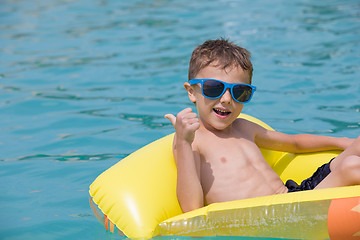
pixel 298 143
pixel 189 190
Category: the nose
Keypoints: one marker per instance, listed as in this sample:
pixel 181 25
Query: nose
pixel 226 97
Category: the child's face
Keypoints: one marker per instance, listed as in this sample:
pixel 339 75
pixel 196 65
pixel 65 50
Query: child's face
pixel 220 113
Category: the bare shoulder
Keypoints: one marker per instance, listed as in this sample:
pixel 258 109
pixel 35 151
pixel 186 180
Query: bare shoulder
pixel 246 125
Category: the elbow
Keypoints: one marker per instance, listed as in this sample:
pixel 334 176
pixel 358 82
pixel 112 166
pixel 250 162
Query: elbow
pixel 185 209
pixel 189 207
pixel 190 204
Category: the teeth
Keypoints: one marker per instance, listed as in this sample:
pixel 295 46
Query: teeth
pixel 219 110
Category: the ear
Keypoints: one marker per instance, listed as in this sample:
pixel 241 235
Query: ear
pixel 191 92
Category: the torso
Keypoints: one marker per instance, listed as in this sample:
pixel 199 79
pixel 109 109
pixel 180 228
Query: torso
pixel 233 168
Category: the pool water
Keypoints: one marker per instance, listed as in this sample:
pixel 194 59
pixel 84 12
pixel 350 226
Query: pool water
pixel 85 83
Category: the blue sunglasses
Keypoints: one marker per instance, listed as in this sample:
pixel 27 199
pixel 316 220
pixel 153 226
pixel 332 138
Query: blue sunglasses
pixel 213 89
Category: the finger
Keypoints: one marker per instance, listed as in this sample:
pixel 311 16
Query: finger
pixel 191 115
pixel 185 111
pixel 196 126
pixel 192 120
pixel 172 118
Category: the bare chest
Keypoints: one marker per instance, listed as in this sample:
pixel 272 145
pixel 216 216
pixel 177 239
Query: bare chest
pixel 229 165
pixel 230 153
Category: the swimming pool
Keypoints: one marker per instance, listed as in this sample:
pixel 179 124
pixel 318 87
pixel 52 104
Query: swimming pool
pixel 85 83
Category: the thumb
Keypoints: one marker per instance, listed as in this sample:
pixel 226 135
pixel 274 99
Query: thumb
pixel 172 118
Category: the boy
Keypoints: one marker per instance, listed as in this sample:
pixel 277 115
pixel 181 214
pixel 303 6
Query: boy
pixel 217 154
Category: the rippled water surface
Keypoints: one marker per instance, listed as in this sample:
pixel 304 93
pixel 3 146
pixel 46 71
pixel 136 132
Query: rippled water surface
pixel 85 83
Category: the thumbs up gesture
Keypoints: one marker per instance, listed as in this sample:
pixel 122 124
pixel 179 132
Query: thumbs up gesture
pixel 185 123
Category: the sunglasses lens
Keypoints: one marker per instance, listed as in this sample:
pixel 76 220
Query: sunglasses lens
pixel 242 93
pixel 212 88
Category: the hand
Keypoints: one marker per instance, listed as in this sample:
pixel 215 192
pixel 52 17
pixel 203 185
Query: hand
pixel 185 123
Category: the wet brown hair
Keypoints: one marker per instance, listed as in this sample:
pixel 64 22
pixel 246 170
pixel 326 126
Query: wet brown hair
pixel 222 53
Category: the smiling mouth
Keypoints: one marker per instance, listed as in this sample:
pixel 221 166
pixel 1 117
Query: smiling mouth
pixel 221 112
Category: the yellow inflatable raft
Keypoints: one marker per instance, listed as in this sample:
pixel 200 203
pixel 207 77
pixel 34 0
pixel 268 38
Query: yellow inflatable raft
pixel 137 197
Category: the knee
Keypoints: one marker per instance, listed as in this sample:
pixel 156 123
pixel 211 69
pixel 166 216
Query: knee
pixel 350 163
pixel 350 169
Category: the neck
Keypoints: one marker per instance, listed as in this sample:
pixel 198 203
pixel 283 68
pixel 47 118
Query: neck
pixel 226 132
